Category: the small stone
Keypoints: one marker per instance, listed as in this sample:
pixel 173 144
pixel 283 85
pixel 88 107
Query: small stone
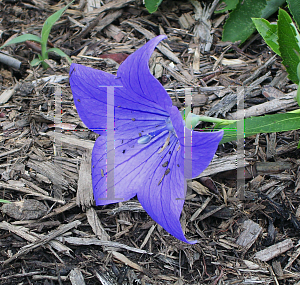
pixel 28 209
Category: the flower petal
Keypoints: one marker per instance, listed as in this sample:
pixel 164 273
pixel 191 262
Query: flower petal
pixel 202 145
pixel 164 200
pixel 133 166
pixel 155 175
pixel 155 170
pixel 138 96
pixel 136 77
pixel 90 100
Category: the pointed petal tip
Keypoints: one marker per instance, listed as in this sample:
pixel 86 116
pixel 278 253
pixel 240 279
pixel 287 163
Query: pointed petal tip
pixel 191 241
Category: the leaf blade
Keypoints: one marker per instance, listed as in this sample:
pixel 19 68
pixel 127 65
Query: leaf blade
pixel 272 7
pixel 50 21
pixel 268 32
pixel 60 52
pixel 152 5
pixel 21 39
pixel 289 41
pixel 35 62
pixel 264 124
pixel 294 6
pixel 229 5
pixel 239 25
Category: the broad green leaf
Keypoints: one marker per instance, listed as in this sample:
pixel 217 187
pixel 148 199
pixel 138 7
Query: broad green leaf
pixel 271 8
pixel 298 90
pixel 239 25
pixel 268 32
pixel 298 94
pixel 264 124
pixel 35 62
pixel 23 38
pixel 152 5
pixel 50 22
pixel 289 41
pixel 229 5
pixel 294 6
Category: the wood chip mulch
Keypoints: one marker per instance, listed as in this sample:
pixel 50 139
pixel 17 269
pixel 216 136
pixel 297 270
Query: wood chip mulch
pixel 246 219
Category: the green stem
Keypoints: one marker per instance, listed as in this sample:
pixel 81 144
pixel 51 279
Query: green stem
pixel 215 120
pixel 44 50
pixel 44 54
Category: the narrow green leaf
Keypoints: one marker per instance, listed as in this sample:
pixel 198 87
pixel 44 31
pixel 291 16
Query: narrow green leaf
pixel 4 201
pixel 264 124
pixel 268 32
pixel 152 5
pixel 35 62
pixel 239 25
pixel 60 52
pixel 294 6
pixel 50 22
pixel 289 44
pixel 23 38
pixel 226 5
pixel 45 65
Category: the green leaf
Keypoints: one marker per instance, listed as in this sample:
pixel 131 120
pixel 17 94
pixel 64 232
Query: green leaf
pixel 60 52
pixel 298 94
pixel 35 62
pixel 4 201
pixel 229 5
pixel 289 41
pixel 298 89
pixel 268 32
pixel 152 5
pixel 264 124
pixel 271 8
pixel 294 6
pixel 50 22
pixel 23 38
pixel 239 25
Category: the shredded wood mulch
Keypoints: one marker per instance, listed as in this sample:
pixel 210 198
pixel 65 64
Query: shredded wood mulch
pixel 246 219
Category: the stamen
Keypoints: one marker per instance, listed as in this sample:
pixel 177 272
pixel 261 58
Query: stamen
pixel 165 144
pixel 166 173
pixel 148 137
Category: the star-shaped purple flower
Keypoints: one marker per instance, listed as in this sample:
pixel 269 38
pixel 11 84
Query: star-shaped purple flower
pixel 149 144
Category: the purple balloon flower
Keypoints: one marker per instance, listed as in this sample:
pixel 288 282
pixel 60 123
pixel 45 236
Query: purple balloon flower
pixel 149 138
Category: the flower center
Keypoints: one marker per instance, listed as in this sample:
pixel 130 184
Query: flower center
pixel 148 137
